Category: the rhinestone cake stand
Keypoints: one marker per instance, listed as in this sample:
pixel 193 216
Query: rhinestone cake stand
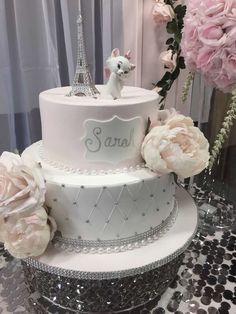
pixel 85 283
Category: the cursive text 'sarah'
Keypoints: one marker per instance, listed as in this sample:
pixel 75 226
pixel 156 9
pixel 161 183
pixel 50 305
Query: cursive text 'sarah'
pixel 98 141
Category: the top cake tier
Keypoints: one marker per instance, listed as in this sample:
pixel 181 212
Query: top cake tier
pixel 84 134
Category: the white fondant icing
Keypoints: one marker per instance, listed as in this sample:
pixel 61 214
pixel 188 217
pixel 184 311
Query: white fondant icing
pixel 106 207
pixel 63 124
pixel 118 245
pixel 68 169
pixel 102 266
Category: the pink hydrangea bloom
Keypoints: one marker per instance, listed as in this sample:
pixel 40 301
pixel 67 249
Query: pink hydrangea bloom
pixel 209 41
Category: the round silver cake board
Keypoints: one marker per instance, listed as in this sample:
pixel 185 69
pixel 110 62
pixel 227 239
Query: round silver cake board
pixel 117 281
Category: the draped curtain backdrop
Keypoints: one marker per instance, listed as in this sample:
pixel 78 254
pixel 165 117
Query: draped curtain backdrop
pixel 38 46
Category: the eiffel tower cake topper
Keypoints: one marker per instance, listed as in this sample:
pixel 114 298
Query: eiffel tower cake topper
pixel 82 83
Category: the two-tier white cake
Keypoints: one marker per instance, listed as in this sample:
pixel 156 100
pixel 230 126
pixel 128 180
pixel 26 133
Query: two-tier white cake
pixel 116 219
pixel 98 190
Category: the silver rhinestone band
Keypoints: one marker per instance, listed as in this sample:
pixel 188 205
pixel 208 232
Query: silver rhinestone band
pixel 118 245
pixel 108 275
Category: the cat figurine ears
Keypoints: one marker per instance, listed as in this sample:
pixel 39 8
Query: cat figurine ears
pixel 116 53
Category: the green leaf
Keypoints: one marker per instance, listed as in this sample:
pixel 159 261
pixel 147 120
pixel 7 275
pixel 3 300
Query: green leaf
pixel 180 11
pixel 169 2
pixel 181 63
pixel 169 41
pixel 171 47
pixel 162 106
pixel 178 37
pixel 162 93
pixel 178 8
pixel 175 74
pixel 172 27
pixel 180 26
pixel 161 83
pixel 167 76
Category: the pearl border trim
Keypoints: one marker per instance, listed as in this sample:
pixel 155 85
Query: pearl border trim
pixel 68 169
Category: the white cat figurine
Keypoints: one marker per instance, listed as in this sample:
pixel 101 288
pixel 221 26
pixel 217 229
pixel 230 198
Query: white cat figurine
pixel 120 68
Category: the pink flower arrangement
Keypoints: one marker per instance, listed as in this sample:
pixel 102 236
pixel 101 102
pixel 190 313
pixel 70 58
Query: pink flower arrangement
pixel 162 13
pixel 209 41
pixel 174 144
pixel 168 58
pixel 25 227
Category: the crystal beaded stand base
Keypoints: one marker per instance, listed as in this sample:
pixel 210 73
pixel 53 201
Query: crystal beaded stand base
pixel 95 296
pixel 115 282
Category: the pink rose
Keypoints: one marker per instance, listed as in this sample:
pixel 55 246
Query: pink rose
pixel 214 7
pixel 190 45
pixel 219 71
pixel 191 33
pixel 168 58
pixel 230 65
pixel 177 146
pixel 208 41
pixel 231 36
pixel 221 82
pixel 210 8
pixel 205 58
pixel 231 17
pixel 162 12
pixel 27 234
pixel 212 35
pixel 21 188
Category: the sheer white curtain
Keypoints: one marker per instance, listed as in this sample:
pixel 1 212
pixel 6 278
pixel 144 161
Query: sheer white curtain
pixel 38 46
pixel 28 65
pixel 112 28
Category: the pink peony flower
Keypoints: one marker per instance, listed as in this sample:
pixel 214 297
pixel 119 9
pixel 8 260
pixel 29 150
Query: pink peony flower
pixel 27 234
pixel 176 146
pixel 21 188
pixel 162 12
pixel 25 227
pixel 169 59
pixel 208 41
pixel 163 116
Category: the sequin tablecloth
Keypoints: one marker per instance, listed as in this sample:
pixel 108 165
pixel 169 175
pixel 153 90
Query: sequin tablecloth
pixel 205 284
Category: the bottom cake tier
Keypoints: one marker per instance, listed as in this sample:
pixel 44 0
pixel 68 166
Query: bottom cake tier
pixel 115 282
